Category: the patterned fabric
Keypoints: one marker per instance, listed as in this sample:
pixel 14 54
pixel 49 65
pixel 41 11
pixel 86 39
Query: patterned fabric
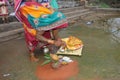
pixel 35 17
pixel 44 1
pixel 54 4
pixel 45 20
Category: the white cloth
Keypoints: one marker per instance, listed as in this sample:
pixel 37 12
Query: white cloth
pixel 3 9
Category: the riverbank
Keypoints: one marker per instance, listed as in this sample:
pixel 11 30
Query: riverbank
pixel 14 29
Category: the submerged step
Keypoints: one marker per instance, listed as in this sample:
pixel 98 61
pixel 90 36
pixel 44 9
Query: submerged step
pixel 71 9
pixel 76 12
pixel 78 15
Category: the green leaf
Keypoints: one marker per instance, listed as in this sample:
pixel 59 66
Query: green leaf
pixel 46 62
pixel 47 57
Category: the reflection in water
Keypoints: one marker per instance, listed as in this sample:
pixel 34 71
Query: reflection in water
pixel 100 55
pixel 101 49
pixel 114 28
pixel 100 59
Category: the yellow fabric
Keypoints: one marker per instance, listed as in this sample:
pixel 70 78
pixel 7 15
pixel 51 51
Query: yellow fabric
pixel 70 50
pixel 35 11
pixel 31 31
pixel 73 43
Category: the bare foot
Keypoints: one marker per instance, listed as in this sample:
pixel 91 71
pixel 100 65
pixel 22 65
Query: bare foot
pixel 33 58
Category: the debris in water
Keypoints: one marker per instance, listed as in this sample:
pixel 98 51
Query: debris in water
pixel 89 22
pixel 5 75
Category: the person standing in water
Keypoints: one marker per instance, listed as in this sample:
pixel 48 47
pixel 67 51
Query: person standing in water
pixel 41 25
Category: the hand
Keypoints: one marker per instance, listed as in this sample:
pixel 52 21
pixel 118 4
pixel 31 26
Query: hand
pixel 63 45
pixel 59 42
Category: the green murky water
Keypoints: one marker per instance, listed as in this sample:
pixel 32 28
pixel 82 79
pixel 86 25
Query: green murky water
pixel 100 59
pixel 101 54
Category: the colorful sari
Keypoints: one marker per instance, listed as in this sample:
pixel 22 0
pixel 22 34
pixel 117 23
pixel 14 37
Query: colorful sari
pixel 54 4
pixel 35 17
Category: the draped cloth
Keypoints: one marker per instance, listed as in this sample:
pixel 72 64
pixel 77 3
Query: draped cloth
pixel 3 8
pixel 35 17
pixel 54 4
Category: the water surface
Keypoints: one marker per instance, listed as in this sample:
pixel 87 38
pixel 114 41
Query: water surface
pixel 100 58
pixel 101 54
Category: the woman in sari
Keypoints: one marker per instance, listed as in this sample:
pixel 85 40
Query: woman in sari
pixel 40 20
